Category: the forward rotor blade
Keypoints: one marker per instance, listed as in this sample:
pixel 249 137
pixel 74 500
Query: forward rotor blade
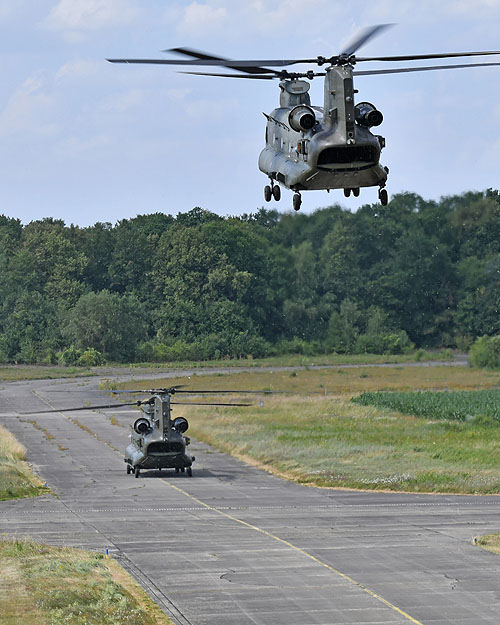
pixel 254 76
pixel 117 406
pixel 416 57
pixel 148 391
pixel 203 55
pixel 362 37
pixel 403 70
pixel 242 65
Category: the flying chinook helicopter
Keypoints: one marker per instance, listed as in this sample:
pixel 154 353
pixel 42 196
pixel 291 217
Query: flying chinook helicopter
pixel 312 147
pixel 157 440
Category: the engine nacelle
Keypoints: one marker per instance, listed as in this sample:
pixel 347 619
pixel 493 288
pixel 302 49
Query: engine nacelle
pixel 302 118
pixel 180 425
pixel 142 425
pixel 367 115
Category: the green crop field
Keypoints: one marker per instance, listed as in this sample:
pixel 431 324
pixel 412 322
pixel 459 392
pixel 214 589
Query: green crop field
pixel 478 406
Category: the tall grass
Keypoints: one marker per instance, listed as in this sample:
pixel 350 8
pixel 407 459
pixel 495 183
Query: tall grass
pixel 60 586
pixel 16 478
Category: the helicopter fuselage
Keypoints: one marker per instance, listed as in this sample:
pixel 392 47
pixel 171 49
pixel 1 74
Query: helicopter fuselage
pixel 157 442
pixel 330 147
pixel 320 159
pixel 154 451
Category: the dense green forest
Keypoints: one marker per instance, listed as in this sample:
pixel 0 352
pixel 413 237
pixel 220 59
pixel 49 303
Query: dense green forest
pixel 200 286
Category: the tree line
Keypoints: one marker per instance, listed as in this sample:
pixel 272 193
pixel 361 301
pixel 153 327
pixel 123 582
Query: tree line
pixel 199 286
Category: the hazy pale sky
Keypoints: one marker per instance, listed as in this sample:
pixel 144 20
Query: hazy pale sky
pixel 85 140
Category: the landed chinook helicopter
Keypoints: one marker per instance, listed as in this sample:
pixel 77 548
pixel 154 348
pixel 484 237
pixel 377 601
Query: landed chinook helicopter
pixel 157 440
pixel 312 147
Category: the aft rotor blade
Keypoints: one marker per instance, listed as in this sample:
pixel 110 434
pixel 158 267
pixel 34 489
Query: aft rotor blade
pixel 253 76
pixel 135 403
pixel 362 37
pixel 231 391
pixel 196 392
pixel 196 403
pixel 403 70
pixel 417 57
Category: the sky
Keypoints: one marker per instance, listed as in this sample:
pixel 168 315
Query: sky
pixel 88 141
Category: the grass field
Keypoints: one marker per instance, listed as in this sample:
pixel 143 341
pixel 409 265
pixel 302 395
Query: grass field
pixel 331 441
pixel 301 360
pixel 16 478
pixel 10 373
pixel 348 381
pixel 37 372
pixel 42 585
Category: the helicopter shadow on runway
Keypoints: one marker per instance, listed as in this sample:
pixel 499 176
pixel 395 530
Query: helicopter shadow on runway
pixel 171 475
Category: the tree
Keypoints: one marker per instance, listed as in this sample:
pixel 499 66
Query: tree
pixel 113 325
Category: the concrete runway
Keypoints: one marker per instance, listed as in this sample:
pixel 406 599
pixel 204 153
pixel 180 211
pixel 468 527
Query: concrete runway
pixel 234 545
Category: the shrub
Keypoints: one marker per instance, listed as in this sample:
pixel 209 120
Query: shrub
pixel 297 346
pixel 90 358
pixel 383 343
pixel 486 352
pixel 4 357
pixel 69 356
pixel 211 347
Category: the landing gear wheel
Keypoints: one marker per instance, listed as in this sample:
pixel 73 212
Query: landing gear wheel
pixel 189 472
pixel 129 469
pixel 347 192
pixel 137 471
pixel 355 192
pixel 268 194
pixel 277 193
pixel 383 197
pixel 297 201
pixel 177 469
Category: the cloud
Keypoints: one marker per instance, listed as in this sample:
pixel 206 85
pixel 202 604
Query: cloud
pixel 473 6
pixel 5 10
pixel 74 145
pixel 199 18
pixel 78 69
pixel 121 102
pixel 212 111
pixel 29 109
pixel 76 17
pixel 429 10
